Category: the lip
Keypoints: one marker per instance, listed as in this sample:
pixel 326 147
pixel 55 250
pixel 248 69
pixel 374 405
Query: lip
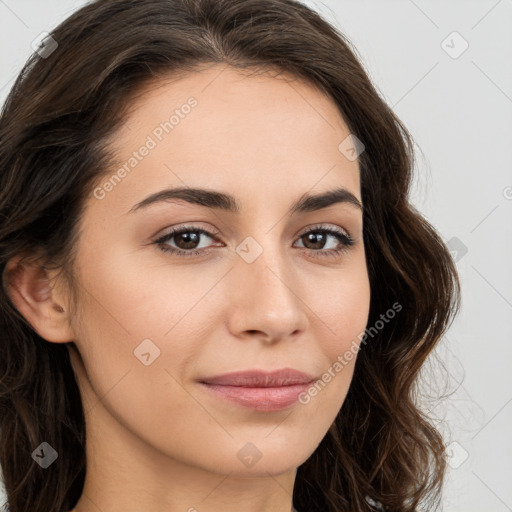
pixel 258 389
pixel 260 378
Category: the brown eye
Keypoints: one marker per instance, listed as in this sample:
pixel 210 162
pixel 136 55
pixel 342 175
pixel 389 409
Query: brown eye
pixel 186 240
pixel 317 238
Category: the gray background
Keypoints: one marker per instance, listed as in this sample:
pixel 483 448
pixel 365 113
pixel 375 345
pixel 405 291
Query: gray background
pixel 459 110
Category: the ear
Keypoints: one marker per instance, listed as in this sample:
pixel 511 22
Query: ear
pixel 33 292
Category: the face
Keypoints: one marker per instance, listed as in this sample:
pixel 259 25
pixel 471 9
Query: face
pixel 258 288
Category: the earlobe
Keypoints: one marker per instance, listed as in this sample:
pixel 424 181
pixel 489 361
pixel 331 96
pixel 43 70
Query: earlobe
pixel 30 290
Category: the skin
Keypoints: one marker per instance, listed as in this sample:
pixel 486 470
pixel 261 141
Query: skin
pixel 155 439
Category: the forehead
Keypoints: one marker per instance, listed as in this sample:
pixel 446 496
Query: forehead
pixel 227 129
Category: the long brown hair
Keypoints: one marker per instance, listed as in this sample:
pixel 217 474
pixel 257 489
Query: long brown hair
pixel 54 127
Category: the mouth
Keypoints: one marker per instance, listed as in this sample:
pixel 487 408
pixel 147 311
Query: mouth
pixel 259 390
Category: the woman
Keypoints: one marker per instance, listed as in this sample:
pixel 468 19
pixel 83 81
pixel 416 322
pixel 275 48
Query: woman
pixel 184 326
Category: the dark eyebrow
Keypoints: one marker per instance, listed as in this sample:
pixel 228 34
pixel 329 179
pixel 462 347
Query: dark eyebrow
pixel 222 201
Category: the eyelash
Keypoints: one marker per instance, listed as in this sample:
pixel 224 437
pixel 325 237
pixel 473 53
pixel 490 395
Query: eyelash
pixel 342 236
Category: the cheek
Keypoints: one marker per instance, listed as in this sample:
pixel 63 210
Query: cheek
pixel 142 325
pixel 342 305
pixel 139 296
pixel 133 369
pixel 344 314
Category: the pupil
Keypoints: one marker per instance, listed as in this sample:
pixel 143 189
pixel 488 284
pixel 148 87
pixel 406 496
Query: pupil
pixel 313 236
pixel 191 238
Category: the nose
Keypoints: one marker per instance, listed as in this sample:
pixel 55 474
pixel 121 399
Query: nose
pixel 265 301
